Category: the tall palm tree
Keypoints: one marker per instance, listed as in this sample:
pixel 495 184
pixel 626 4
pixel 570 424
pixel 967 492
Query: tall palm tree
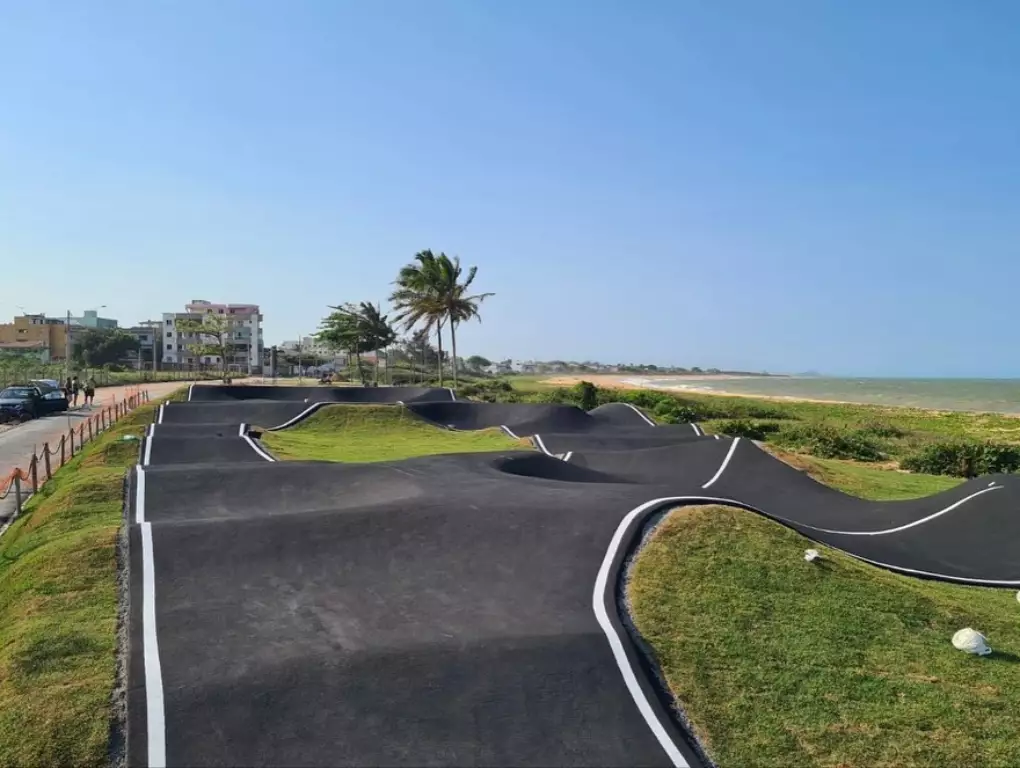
pixel 376 331
pixel 458 304
pixel 417 298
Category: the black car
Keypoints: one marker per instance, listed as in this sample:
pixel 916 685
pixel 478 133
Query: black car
pixel 53 395
pixel 21 403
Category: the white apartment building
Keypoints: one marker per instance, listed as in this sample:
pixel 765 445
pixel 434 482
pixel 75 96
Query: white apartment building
pixel 245 321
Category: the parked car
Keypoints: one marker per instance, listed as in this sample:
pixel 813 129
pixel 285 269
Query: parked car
pixel 21 403
pixel 53 395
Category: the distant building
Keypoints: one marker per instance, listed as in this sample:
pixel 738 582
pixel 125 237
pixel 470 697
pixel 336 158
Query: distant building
pixel 91 319
pixel 36 335
pixel 245 336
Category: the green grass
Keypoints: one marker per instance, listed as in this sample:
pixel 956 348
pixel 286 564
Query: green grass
pixel 779 662
pixel 58 608
pixel 362 433
pixel 868 481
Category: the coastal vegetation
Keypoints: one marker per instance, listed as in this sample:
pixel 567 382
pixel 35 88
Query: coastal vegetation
pixel 953 443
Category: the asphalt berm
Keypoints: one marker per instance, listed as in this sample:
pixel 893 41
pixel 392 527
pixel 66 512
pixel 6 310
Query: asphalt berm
pixel 451 610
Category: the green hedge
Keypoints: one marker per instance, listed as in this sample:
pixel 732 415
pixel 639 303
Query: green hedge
pixel 964 459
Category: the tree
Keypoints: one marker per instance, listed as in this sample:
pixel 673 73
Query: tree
pixel 417 298
pixel 102 346
pixel 357 329
pixel 213 337
pixel 430 292
pixel 477 362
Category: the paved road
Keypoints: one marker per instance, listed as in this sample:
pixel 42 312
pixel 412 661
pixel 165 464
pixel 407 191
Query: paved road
pixel 17 444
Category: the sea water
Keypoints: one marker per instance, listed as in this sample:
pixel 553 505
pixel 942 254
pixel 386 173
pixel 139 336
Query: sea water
pixel 995 395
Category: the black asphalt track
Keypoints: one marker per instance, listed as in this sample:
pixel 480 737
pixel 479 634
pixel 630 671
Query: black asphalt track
pixel 317 394
pixel 453 610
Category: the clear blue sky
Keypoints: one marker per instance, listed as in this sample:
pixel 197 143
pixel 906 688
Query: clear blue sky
pixel 804 184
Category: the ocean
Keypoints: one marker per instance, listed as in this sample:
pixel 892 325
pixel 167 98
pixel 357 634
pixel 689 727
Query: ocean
pixel 996 395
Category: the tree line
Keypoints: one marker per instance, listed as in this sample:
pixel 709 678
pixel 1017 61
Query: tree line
pixel 431 294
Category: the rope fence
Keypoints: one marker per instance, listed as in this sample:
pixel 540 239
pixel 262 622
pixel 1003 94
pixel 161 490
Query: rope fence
pixel 42 465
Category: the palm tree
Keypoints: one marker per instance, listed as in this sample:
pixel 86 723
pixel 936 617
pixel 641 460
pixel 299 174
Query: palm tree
pixel 376 331
pixel 417 298
pixel 458 303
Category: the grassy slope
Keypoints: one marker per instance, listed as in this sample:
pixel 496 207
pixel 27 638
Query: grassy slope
pixel 782 662
pixel 359 433
pixel 58 609
pixel 868 482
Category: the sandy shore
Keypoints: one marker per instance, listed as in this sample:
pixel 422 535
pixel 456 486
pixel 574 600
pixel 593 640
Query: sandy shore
pixel 618 381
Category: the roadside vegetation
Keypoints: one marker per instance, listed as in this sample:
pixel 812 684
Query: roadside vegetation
pixel 58 607
pixel 958 444
pixel 365 433
pixel 778 661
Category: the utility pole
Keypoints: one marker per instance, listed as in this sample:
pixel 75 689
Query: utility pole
pixel 67 346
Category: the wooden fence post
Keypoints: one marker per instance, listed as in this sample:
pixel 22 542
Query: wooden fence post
pixel 90 430
pixel 46 460
pixel 17 492
pixel 63 442
pixel 81 436
pixel 33 468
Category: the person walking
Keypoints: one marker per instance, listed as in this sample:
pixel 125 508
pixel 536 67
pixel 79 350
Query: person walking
pixel 75 389
pixel 68 390
pixel 90 391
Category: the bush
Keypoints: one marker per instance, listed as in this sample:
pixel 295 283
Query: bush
pixel 828 442
pixel 964 459
pixel 587 395
pixel 673 413
pixel 882 429
pixel 753 430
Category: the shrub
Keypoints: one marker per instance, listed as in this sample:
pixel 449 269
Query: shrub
pixel 882 429
pixel 587 395
pixel 964 459
pixel 753 430
pixel 828 442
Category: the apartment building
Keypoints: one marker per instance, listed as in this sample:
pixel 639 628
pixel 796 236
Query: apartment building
pixel 244 322
pixel 37 335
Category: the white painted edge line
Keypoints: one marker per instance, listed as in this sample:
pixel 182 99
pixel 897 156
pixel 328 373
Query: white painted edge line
pixel 154 713
pixel 540 444
pixel 567 456
pixel 147 455
pixel 640 413
pixel 159 419
pixel 190 390
pixel 899 528
pixel 716 436
pixel 509 431
pixel 697 429
pixel 306 412
pixel 243 434
pixel 616 644
pixel 722 467
pixel 139 495
pixel 453 395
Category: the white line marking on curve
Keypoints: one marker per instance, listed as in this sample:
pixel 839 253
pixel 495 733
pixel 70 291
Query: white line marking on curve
pixel 899 528
pixel 453 395
pixel 640 413
pixel 616 644
pixel 305 413
pixel 148 450
pixel 254 446
pixel 716 436
pixel 159 419
pixel 695 428
pixel 541 445
pixel 154 714
pixel 568 455
pixel 722 467
pixel 509 431
pixel 190 390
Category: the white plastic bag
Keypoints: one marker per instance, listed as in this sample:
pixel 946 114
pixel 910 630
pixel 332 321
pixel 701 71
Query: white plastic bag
pixel 971 641
pixel 813 554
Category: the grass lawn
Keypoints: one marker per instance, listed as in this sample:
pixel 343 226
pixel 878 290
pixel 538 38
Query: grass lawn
pixel 781 662
pixel 58 608
pixel 868 481
pixel 362 433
